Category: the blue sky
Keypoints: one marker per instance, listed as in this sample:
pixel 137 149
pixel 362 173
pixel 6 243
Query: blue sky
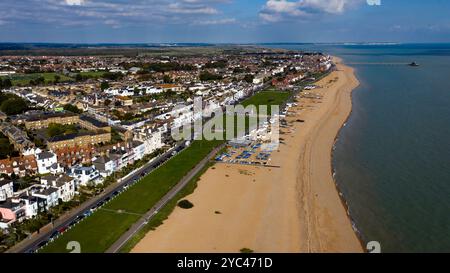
pixel 224 21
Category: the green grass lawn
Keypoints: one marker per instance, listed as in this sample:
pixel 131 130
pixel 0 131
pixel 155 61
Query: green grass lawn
pixel 267 98
pixel 95 233
pixel 93 74
pixel 103 228
pixel 24 79
pixel 99 231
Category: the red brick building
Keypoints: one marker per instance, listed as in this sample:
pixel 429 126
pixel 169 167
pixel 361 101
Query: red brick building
pixel 21 165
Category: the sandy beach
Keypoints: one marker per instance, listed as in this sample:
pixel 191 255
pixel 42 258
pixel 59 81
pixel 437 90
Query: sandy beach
pixel 293 208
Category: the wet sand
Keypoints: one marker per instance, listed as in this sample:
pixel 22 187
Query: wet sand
pixel 294 208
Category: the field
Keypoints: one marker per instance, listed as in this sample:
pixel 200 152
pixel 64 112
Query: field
pixel 24 79
pixel 93 74
pixel 99 231
pixel 267 98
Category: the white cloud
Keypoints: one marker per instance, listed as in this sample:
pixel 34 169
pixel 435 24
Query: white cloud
pixel 225 21
pixel 75 2
pixel 182 8
pixel 113 13
pixel 277 10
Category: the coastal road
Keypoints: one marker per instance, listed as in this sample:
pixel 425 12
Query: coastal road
pixel 161 203
pixel 33 243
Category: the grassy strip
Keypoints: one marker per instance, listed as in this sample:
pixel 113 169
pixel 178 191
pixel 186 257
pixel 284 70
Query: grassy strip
pixel 24 79
pixel 267 98
pixel 108 227
pixel 164 213
pixel 93 74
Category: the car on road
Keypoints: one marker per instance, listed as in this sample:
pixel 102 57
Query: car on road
pixel 31 250
pixel 54 235
pixel 87 213
pixel 41 244
pixel 62 229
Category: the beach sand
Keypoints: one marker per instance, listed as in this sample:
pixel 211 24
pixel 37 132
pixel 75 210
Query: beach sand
pixel 294 208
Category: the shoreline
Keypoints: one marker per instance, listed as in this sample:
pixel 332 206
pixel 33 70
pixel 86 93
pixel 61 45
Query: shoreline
pixel 333 167
pixel 297 208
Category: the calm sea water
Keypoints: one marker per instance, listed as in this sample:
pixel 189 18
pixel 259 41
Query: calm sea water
pixel 392 160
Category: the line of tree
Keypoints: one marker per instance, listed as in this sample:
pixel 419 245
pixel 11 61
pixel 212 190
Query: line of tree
pixel 113 76
pixel 208 76
pixel 217 64
pixel 11 104
pixel 5 83
pixel 166 67
pixel 72 108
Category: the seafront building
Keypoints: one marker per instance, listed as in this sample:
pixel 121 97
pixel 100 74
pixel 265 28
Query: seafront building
pixel 124 117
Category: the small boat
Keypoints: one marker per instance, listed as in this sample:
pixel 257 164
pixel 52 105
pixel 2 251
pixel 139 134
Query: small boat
pixel 413 64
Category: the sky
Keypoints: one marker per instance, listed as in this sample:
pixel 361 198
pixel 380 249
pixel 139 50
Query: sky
pixel 224 21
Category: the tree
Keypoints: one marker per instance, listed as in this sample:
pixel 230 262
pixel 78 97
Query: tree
pixel 5 147
pixel 207 76
pixel 72 108
pixel 107 102
pixel 185 204
pixel 79 77
pixel 14 106
pixel 6 84
pixel 40 80
pixel 55 129
pixel 217 64
pixel 104 86
pixel 57 78
pixel 167 79
pixel 249 78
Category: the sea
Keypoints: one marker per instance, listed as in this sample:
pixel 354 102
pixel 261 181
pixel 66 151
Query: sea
pixel 392 157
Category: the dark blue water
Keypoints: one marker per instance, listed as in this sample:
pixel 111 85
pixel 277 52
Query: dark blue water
pixel 392 160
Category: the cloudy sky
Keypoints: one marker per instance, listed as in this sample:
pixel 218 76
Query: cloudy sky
pixel 224 21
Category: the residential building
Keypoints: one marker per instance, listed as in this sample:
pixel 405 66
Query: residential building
pixel 63 183
pixel 81 140
pixel 70 156
pixel 170 87
pixel 93 124
pixel 20 166
pixel 12 210
pixel 85 175
pixel 16 136
pixel 47 162
pixel 6 189
pixel 125 101
pixel 138 149
pixel 49 194
pixel 43 120
pixel 105 165
pixel 33 205
pixel 152 139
